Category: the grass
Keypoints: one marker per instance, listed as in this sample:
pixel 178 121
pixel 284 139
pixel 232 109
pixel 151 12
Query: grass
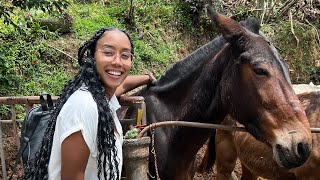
pixel 90 17
pixel 151 19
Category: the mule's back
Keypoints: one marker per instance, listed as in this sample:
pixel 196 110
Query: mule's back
pixel 311 169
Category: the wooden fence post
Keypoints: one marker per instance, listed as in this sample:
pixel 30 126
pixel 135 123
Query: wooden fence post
pixel 3 163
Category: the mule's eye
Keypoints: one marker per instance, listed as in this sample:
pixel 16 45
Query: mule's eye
pixel 260 71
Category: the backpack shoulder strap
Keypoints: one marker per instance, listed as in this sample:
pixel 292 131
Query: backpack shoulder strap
pixel 46 104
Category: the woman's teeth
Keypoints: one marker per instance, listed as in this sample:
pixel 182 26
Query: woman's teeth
pixel 115 73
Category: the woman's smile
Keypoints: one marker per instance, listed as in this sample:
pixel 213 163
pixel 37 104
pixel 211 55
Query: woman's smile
pixel 113 73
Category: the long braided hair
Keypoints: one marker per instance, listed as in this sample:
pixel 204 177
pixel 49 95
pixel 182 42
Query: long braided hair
pixel 107 161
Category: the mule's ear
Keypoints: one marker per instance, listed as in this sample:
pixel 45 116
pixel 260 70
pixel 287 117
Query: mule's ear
pixel 230 29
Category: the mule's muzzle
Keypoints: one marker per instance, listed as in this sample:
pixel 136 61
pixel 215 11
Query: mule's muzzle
pixel 292 158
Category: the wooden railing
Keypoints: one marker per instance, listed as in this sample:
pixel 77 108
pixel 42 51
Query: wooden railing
pixel 29 101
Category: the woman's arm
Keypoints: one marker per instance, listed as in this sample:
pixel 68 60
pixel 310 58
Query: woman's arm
pixel 132 82
pixel 74 157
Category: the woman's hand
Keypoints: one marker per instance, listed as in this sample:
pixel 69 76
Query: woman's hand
pixel 151 77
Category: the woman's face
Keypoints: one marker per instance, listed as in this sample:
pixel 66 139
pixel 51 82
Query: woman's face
pixel 113 59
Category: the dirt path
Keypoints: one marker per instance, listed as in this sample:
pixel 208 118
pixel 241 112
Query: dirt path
pixel 212 174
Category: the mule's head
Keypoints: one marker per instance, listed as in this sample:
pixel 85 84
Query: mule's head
pixel 255 88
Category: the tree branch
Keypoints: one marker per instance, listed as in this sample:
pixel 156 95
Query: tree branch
pixel 291 26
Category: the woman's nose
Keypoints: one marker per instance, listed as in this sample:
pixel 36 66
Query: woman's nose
pixel 117 60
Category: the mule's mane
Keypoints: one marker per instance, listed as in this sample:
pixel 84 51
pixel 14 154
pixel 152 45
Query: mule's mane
pixel 187 67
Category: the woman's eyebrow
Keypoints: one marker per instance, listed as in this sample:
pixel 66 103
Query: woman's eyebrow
pixel 126 49
pixel 112 47
pixel 107 46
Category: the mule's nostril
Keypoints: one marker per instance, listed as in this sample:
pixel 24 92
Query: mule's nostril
pixel 278 148
pixel 291 159
pixel 303 151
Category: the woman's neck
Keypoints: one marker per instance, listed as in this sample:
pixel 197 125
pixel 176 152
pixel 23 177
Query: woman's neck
pixel 109 92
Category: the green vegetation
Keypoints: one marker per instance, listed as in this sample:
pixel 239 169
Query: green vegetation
pixel 38 60
pixel 132 134
pixel 300 53
pixel 34 59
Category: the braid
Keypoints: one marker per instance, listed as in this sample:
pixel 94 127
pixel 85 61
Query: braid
pixel 107 161
pixel 106 140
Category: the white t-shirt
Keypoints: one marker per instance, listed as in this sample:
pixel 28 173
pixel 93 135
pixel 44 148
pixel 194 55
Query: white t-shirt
pixel 80 113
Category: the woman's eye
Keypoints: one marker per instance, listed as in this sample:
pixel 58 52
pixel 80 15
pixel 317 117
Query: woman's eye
pixel 125 56
pixel 260 72
pixel 108 53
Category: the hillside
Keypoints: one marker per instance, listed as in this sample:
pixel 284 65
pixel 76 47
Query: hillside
pixel 163 32
pixel 39 52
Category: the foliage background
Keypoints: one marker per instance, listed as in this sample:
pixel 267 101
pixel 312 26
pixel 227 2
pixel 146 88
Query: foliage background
pixel 40 38
pixel 35 58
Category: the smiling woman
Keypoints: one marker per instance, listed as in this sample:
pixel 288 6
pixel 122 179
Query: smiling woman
pixel 113 59
pixel 85 115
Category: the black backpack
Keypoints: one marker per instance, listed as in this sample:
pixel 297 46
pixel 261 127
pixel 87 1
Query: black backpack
pixel 33 128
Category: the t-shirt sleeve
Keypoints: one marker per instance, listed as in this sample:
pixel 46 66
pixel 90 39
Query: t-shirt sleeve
pixel 79 116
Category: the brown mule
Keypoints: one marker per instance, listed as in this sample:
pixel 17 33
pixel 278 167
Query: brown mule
pixel 239 73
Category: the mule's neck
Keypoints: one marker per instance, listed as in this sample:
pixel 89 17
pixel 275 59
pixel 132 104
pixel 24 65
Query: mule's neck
pixel 204 103
pixel 187 76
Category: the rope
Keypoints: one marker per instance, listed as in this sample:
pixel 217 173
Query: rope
pixel 153 126
pixel 200 125
pixel 153 151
